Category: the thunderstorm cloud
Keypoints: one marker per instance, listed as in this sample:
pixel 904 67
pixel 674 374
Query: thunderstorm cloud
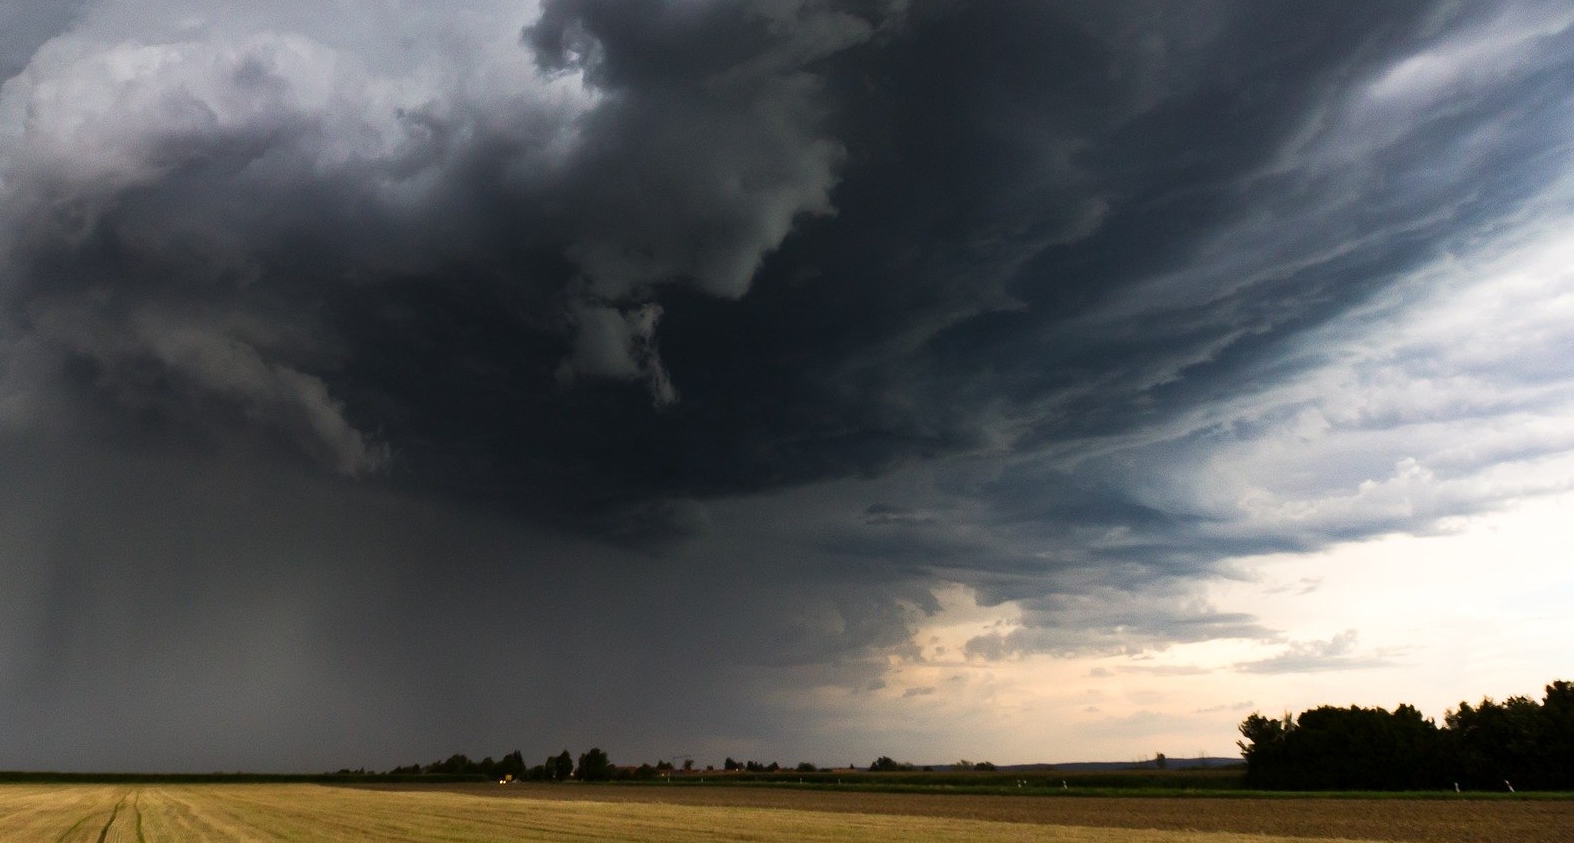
pixel 384 380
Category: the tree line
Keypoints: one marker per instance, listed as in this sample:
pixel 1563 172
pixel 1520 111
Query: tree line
pixel 731 765
pixel 1517 744
pixel 593 765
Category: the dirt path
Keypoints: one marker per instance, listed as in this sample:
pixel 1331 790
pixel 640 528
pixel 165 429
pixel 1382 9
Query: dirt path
pixel 1413 821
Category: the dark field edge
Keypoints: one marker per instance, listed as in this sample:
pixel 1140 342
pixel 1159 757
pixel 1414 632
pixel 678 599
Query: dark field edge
pixel 1040 789
pixel 1163 792
pixel 1220 784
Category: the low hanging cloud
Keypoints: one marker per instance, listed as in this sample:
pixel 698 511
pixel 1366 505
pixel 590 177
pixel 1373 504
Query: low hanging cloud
pixel 614 343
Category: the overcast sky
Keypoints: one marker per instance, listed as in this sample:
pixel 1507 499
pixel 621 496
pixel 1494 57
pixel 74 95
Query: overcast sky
pixel 785 380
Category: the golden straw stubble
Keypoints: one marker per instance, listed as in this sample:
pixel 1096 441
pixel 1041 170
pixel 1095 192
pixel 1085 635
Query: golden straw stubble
pixel 220 813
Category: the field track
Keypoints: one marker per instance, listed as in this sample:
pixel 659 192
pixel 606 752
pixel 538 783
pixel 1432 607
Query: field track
pixel 215 813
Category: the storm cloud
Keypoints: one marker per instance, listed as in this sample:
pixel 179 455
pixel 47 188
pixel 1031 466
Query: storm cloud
pixel 408 380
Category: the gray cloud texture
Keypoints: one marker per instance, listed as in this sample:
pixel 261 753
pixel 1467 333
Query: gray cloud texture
pixel 1337 653
pixel 450 379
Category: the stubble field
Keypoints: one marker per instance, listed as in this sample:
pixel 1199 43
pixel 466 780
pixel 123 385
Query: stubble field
pixel 303 812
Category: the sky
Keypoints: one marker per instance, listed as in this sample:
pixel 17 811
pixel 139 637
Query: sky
pixel 783 380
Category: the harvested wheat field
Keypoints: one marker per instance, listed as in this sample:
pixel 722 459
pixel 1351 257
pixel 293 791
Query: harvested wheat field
pixel 1462 820
pixel 219 813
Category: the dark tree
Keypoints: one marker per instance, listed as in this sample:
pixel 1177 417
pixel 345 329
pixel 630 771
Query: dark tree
pixel 1493 743
pixel 513 764
pixel 1264 750
pixel 560 767
pixel 456 763
pixel 1557 714
pixel 1483 747
pixel 594 766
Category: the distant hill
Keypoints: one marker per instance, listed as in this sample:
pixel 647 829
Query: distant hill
pixel 1110 766
pixel 1105 766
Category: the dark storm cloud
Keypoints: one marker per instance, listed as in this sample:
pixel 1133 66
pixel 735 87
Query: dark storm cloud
pixel 24 26
pixel 984 199
pixel 622 351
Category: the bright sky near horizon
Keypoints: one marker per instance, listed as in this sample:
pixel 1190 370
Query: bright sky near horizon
pixel 786 380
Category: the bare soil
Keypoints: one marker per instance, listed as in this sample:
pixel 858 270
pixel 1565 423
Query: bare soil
pixel 1410 820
